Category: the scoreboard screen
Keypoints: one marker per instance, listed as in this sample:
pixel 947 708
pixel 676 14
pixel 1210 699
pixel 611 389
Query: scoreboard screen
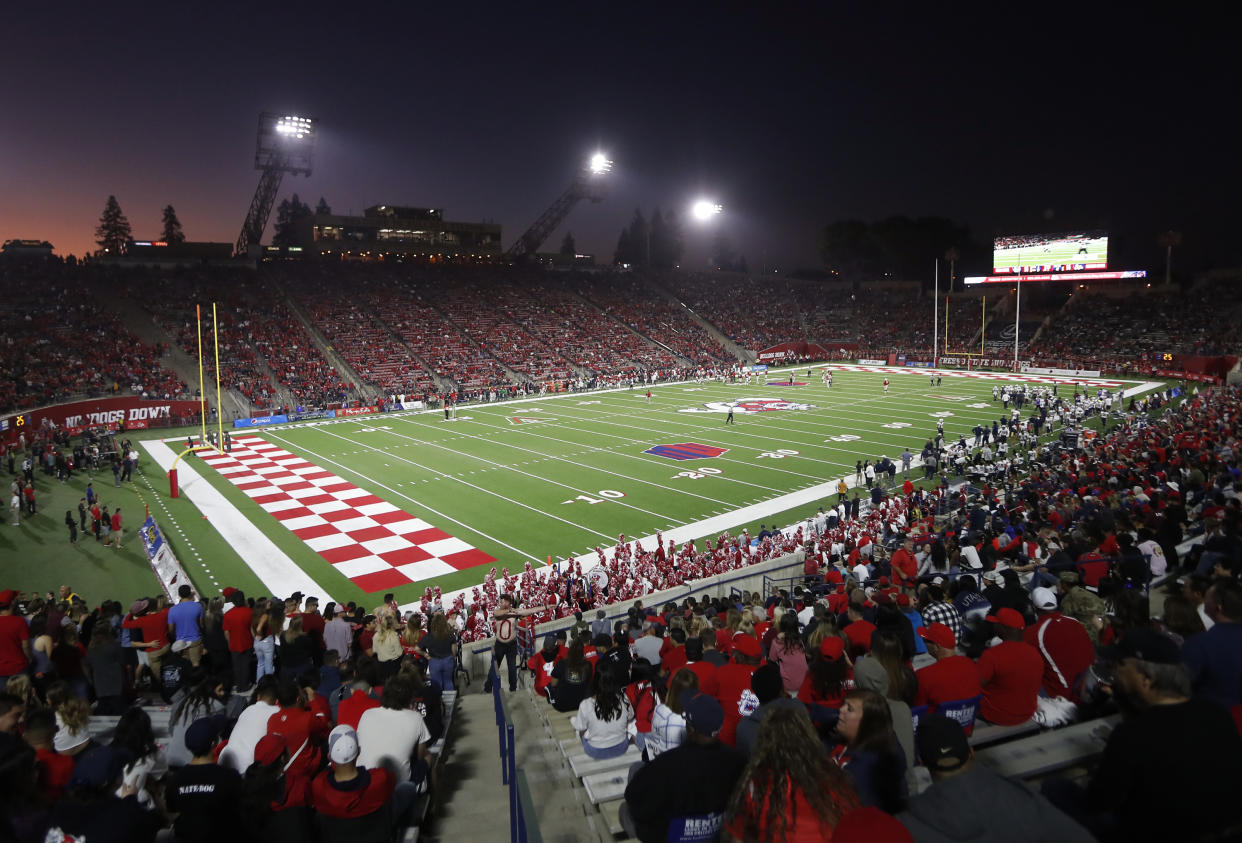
pixel 1071 252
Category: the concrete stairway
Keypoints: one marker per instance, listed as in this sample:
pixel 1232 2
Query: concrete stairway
pixel 474 804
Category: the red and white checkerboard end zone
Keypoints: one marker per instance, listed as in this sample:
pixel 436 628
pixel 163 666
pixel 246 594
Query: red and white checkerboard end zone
pixel 376 545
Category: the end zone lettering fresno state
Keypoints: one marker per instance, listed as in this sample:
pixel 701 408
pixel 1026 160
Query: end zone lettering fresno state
pixel 748 405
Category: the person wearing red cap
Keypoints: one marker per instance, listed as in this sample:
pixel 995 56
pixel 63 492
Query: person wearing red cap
pixel 829 675
pixel 1010 672
pixel 951 677
pixel 14 640
pixel 859 630
pixel 733 686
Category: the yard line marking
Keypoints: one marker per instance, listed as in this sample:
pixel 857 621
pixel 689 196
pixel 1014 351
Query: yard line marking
pixel 477 488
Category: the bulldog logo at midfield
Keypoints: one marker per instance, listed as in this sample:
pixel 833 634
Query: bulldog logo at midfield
pixel 748 405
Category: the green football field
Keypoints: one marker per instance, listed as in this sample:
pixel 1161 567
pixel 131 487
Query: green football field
pixel 523 481
pixel 1055 253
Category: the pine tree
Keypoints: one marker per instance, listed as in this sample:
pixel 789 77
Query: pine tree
pixel 667 254
pixel 323 209
pixel 722 253
pixel 172 227
pixel 568 246
pixel 622 255
pixel 113 233
pixel 288 214
pixel 640 244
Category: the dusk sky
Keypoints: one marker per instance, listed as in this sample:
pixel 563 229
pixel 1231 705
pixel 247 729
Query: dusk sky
pixel 1006 118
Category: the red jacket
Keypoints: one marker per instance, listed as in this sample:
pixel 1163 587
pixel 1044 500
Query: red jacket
pixel 357 798
pixel 154 627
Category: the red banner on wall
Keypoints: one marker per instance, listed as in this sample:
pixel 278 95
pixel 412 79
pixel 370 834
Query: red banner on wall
pixel 355 411
pixel 110 413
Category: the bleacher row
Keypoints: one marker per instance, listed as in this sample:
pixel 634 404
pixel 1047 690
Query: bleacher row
pixel 102 728
pixel 481 327
pixel 1023 752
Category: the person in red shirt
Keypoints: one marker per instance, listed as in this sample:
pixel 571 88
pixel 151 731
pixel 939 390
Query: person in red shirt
pixel 791 789
pixel 236 626
pixel 346 791
pixel 675 659
pixel 858 631
pixel 14 639
pixel 706 671
pixel 154 629
pixel 733 686
pixel 829 675
pixel 542 662
pixel 362 698
pixel 1010 673
pixel 54 769
pixel 1062 642
pixel 114 538
pixel 905 566
pixel 951 678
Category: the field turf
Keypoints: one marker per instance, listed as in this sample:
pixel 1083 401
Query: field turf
pixel 554 476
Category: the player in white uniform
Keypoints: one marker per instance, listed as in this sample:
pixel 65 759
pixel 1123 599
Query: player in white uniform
pixel 886 386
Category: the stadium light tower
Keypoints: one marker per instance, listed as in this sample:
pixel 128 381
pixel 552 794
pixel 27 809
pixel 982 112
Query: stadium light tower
pixel 285 144
pixel 589 183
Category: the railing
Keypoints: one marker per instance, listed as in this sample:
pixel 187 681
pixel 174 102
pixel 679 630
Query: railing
pixel 521 806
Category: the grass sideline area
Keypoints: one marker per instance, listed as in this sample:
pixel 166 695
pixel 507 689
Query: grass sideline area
pixel 521 490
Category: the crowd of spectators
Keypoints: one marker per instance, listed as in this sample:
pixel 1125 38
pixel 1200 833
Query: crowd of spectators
pixel 272 721
pixel 1132 333
pixel 62 341
pixel 1026 603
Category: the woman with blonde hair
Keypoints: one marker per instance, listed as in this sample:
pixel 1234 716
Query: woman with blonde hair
pixel 790 790
pixel 387 646
pixel 73 720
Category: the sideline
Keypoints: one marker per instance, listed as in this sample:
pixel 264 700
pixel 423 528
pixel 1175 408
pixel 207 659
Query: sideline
pixel 280 574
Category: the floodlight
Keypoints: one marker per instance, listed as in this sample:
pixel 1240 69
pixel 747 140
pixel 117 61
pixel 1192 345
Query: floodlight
pixel 600 164
pixel 705 209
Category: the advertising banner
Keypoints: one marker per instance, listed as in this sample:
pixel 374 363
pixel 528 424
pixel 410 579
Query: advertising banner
pixel 163 561
pixel 109 413
pixel 1069 373
pixel 866 362
pixel 260 420
pixel 355 411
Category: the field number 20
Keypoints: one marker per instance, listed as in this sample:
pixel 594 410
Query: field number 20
pixel 698 473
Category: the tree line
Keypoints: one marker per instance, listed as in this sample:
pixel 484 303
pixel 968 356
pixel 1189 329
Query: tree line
pixel 114 232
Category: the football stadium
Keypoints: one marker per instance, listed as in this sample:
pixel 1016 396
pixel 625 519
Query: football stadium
pixel 410 521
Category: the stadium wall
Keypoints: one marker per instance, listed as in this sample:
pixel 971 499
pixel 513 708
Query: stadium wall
pixel 478 653
pixel 109 413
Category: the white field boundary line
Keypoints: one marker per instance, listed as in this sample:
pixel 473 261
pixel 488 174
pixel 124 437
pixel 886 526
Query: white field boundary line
pixel 280 574
pixel 294 447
